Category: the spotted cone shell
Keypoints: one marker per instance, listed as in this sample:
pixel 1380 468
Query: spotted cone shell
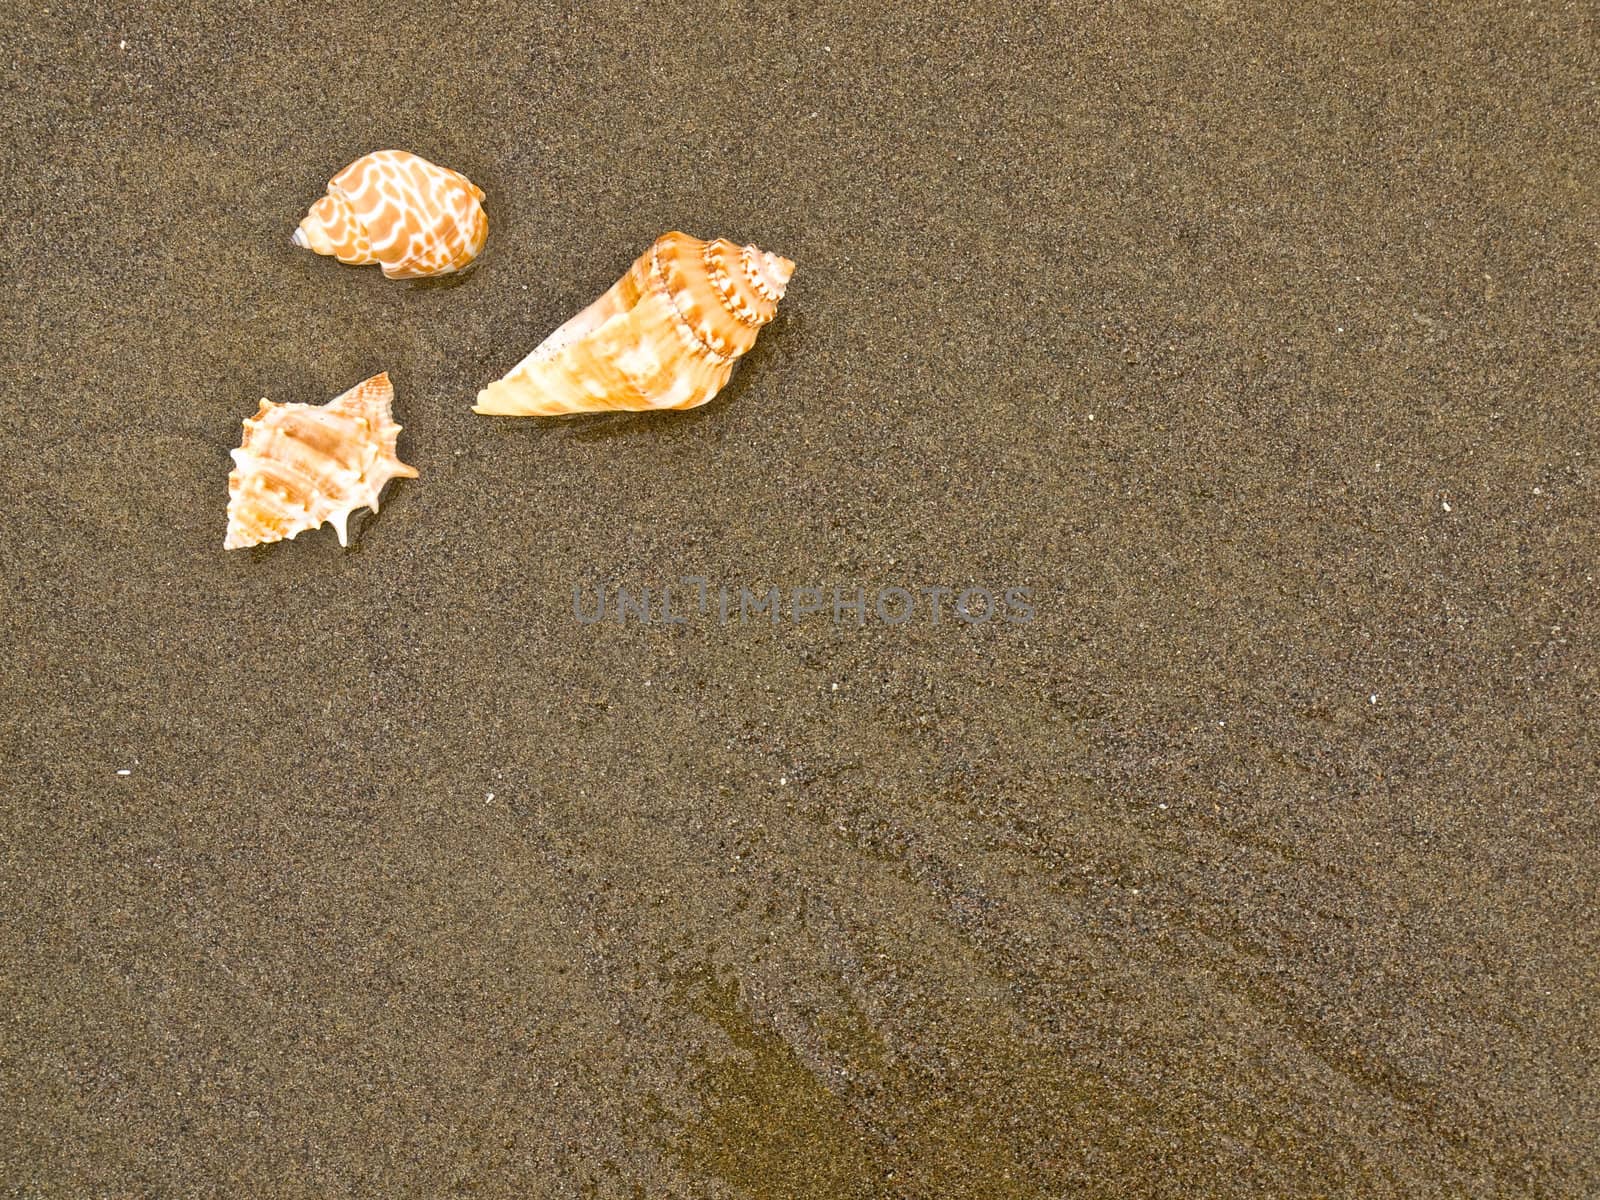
pixel 303 464
pixel 404 213
pixel 665 336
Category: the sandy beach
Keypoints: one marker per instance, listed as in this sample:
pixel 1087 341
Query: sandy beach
pixel 1247 848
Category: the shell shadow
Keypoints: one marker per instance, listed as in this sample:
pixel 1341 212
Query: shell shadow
pixel 454 280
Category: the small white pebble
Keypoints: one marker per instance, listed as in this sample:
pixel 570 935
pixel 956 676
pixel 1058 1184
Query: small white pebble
pixel 124 771
pixel 1447 507
pixel 1091 416
pixel 1538 491
pixel 1162 807
pixel 122 45
pixel 1340 329
pixel 488 796
pixel 1372 699
pixel 783 781
pixel 833 687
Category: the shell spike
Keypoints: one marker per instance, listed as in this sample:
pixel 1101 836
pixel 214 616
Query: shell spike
pixel 302 465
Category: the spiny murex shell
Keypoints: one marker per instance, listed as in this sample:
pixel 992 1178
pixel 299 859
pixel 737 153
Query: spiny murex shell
pixel 404 213
pixel 665 336
pixel 303 464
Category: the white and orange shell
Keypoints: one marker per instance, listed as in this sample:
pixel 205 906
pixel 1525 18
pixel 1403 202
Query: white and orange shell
pixel 665 336
pixel 404 213
pixel 303 464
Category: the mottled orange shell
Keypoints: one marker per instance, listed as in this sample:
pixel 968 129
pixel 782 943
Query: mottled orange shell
pixel 303 464
pixel 665 336
pixel 404 213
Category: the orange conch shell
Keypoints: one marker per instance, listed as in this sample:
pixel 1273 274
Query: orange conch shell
pixel 665 336
pixel 402 212
pixel 303 464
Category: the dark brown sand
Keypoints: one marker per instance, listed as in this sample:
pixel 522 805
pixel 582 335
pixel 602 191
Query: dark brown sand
pixel 1262 863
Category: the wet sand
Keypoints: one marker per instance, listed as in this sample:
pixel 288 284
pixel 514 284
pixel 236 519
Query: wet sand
pixel 1262 862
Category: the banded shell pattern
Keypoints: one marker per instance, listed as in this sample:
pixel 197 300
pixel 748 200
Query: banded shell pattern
pixel 408 215
pixel 665 336
pixel 303 464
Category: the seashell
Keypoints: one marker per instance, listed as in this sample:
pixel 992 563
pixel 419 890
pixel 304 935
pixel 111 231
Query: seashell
pixel 303 464
pixel 404 213
pixel 665 336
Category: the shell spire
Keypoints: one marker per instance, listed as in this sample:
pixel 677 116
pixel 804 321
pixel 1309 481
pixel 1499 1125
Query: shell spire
pixel 410 216
pixel 303 464
pixel 665 336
